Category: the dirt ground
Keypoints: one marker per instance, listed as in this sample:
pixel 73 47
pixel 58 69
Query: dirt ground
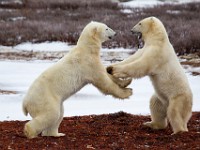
pixel 118 131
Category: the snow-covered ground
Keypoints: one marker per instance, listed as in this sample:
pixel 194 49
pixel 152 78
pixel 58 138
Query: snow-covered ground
pixel 127 6
pixel 45 46
pixel 152 3
pixel 18 75
pixel 141 3
pixel 54 46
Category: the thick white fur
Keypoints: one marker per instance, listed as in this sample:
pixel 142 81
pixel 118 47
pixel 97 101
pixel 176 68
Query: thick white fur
pixel 82 65
pixel 172 100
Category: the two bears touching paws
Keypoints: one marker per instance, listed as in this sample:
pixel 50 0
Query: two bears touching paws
pixel 171 102
pixel 81 66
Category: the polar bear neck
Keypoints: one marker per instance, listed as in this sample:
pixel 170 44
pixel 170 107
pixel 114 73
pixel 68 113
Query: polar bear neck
pixel 152 38
pixel 91 45
pixel 156 35
pixel 89 42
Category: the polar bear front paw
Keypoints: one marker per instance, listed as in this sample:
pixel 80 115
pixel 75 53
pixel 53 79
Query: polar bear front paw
pixel 118 72
pixel 127 92
pixel 124 82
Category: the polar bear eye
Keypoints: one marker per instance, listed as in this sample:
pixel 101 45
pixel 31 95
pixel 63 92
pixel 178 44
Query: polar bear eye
pixel 140 24
pixel 107 29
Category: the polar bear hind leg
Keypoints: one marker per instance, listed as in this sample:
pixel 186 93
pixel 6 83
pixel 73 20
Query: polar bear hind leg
pixel 29 131
pixel 41 122
pixel 158 114
pixel 53 130
pixel 179 113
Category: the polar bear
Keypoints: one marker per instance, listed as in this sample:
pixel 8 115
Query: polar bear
pixel 81 66
pixel 172 100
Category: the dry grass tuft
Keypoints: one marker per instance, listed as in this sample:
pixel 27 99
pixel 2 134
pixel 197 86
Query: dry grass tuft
pixel 63 20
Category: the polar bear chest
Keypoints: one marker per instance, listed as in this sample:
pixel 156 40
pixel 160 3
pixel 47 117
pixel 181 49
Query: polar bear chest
pixel 169 83
pixel 160 87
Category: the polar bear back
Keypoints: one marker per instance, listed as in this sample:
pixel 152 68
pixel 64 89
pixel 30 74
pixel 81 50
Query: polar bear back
pixel 58 80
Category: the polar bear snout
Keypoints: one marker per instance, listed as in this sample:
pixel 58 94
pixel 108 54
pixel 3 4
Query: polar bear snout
pixel 110 37
pixel 109 33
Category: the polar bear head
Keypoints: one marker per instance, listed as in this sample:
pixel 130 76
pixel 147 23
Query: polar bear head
pixel 96 32
pixel 149 29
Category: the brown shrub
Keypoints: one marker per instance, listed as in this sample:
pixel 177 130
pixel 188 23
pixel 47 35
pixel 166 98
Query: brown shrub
pixel 63 20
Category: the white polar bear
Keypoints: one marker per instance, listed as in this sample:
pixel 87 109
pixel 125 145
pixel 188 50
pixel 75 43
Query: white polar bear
pixel 172 100
pixel 82 65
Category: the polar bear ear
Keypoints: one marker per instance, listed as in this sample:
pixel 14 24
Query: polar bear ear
pixel 152 19
pixel 94 32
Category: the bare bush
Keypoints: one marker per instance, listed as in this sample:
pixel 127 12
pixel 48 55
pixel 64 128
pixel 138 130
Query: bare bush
pixel 63 20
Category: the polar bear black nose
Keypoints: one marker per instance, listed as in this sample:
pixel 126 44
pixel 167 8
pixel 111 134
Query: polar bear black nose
pixel 132 31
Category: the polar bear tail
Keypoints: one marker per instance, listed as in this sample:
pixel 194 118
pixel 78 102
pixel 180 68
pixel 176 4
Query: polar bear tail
pixel 24 109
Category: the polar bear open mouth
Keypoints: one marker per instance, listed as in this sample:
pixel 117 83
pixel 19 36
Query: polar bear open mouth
pixel 138 34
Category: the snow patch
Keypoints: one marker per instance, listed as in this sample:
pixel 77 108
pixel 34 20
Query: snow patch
pixel 45 46
pixel 54 46
pixel 141 3
pixel 127 11
pixel 192 69
pixel 173 12
pixel 152 3
pixel 17 18
pixel 18 76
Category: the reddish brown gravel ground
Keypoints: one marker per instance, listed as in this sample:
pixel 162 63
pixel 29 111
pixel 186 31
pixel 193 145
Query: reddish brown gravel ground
pixel 119 131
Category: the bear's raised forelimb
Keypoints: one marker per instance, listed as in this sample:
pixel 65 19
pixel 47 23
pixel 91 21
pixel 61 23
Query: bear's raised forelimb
pixel 107 86
pixel 130 59
pixel 136 69
pixel 139 68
